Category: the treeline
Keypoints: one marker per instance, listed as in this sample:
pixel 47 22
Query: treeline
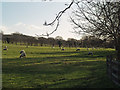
pixel 86 41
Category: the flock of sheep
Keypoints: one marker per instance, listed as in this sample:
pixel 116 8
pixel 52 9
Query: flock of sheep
pixel 89 53
pixel 23 54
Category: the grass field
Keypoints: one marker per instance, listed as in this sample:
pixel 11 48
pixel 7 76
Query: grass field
pixel 46 67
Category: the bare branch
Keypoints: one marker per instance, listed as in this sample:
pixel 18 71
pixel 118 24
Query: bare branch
pixel 100 17
pixel 57 19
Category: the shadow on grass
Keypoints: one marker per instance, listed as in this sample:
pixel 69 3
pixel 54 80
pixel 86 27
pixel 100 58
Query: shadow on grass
pixel 18 65
pixel 55 53
pixel 94 74
pixel 58 72
pixel 81 54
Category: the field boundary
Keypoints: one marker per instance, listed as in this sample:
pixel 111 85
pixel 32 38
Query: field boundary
pixel 113 69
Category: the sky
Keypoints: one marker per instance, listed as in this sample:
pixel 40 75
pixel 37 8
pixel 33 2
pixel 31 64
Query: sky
pixel 28 18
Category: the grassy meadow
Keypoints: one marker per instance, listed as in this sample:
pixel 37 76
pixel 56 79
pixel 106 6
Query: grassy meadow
pixel 46 67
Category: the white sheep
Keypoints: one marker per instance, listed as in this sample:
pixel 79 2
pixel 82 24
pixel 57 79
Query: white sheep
pixel 62 48
pixel 23 54
pixel 5 48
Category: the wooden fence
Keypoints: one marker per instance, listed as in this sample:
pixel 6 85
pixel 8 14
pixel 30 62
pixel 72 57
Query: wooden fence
pixel 113 69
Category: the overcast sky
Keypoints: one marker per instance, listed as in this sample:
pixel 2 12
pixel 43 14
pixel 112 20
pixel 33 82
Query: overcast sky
pixel 28 18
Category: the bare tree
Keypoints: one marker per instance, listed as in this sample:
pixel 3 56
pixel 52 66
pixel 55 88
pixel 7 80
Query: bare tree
pixel 100 18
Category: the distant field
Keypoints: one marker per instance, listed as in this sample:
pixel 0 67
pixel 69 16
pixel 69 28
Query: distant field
pixel 46 67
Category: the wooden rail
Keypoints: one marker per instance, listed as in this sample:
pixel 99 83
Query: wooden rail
pixel 113 70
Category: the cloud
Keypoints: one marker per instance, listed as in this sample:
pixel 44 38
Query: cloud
pixel 34 27
pixel 31 29
pixel 27 26
pixel 27 29
pixel 4 29
pixel 20 23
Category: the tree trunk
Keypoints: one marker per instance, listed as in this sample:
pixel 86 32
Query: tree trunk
pixel 118 52
pixel 118 48
pixel 118 39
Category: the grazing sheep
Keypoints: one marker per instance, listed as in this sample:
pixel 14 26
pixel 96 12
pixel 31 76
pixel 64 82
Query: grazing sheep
pixel 23 54
pixel 53 47
pixel 5 48
pixel 78 50
pixel 90 53
pixel 62 48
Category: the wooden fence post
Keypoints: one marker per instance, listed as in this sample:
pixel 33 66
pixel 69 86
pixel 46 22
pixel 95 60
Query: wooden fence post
pixel 113 69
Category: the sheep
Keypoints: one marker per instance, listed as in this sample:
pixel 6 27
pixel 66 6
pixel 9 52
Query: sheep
pixel 77 49
pixel 53 47
pixel 23 54
pixel 5 48
pixel 90 53
pixel 62 48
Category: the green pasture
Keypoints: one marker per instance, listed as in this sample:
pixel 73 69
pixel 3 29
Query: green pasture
pixel 46 67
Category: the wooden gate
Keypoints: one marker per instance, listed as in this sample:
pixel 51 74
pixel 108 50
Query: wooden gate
pixel 113 69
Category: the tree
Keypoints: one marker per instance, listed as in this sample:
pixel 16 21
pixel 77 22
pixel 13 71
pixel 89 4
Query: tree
pixel 72 42
pixel 102 18
pixel 51 41
pixel 8 40
pixel 59 43
pixel 91 41
pixel 1 32
pixel 59 38
pixel 99 18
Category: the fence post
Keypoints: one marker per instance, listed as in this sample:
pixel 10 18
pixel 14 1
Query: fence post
pixel 109 70
pixel 118 72
pixel 113 69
